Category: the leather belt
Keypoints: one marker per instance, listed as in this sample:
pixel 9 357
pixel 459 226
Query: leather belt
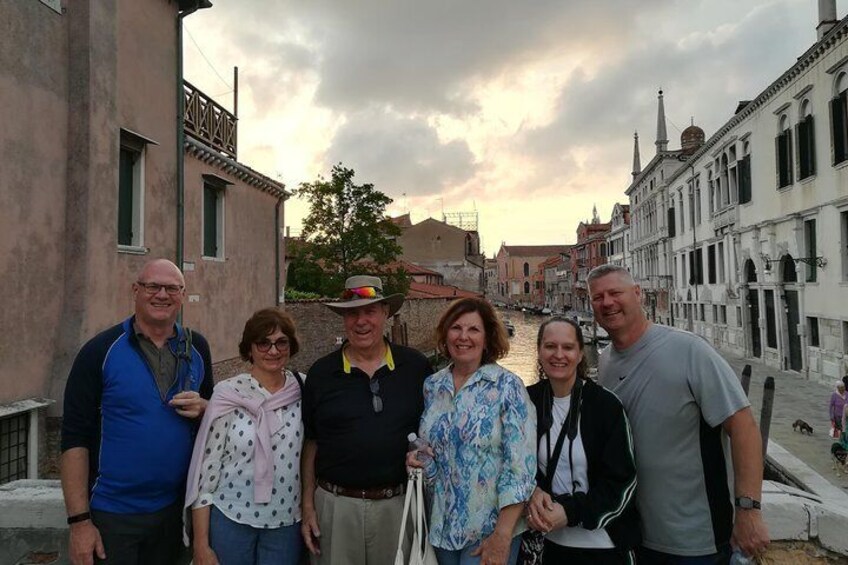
pixel 378 493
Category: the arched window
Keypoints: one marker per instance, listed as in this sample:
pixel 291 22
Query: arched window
pixel 788 271
pixel 526 269
pixel 806 142
pixel 839 118
pixel 526 287
pixel 783 146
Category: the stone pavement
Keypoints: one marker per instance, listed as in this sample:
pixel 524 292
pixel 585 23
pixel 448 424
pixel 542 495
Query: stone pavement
pixel 795 397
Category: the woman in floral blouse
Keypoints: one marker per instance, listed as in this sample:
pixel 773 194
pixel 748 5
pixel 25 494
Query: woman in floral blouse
pixel 244 481
pixel 481 427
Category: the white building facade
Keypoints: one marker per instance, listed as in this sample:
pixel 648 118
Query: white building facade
pixel 760 253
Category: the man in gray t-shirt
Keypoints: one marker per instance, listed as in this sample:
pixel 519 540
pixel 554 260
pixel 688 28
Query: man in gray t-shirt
pixel 680 396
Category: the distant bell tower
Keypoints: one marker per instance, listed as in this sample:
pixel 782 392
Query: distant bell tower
pixel 637 163
pixel 662 134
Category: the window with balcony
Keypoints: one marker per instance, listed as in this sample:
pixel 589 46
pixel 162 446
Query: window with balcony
pixel 805 132
pixel 810 243
pixel 839 120
pixel 783 153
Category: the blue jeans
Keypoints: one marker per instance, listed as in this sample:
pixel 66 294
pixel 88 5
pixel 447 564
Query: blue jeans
pixel 240 544
pixel 645 556
pixel 463 556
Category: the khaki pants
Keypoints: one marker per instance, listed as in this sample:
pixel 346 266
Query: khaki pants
pixel 356 531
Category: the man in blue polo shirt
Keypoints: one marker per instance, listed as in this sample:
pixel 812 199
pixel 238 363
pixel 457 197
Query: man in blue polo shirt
pixel 132 401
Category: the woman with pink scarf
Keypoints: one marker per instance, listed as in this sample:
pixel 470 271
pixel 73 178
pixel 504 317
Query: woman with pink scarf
pixel 244 480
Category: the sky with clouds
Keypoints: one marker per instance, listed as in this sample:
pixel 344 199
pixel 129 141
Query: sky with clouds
pixel 522 111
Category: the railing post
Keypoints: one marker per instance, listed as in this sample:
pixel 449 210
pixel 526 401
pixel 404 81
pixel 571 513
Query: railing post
pixel 746 379
pixel 765 413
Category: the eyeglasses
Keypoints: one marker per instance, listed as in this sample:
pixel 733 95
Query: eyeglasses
pixel 154 288
pixel 376 399
pixel 361 292
pixel 265 345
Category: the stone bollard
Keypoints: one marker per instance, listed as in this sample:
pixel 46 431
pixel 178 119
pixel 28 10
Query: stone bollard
pixel 746 379
pixel 765 413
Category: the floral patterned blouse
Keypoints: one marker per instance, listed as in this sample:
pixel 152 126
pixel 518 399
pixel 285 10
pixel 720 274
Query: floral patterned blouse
pixel 484 439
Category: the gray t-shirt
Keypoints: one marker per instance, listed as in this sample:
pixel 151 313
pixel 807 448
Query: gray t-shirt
pixel 677 392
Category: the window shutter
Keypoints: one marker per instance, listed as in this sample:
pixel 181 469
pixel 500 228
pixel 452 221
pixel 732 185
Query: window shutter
pixel 799 148
pixel 837 122
pixel 811 144
pixel 745 180
pixel 788 152
pixel 125 197
pixel 210 221
pixel 671 230
pixel 778 169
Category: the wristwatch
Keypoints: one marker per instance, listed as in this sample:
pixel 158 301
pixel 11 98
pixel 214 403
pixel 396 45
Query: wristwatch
pixel 746 503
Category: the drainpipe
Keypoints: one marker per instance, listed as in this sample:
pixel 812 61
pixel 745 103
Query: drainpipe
pixel 277 223
pixel 180 258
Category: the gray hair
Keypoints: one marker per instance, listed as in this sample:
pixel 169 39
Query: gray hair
pixel 608 269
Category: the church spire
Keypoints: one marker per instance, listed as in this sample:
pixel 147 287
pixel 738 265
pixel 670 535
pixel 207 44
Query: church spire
pixel 662 134
pixel 595 218
pixel 637 163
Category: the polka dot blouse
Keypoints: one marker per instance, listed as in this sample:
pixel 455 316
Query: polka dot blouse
pixel 226 478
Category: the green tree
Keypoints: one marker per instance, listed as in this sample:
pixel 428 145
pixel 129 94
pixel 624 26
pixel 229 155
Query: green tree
pixel 346 232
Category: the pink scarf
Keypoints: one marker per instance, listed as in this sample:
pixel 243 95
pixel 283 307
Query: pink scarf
pixel 224 400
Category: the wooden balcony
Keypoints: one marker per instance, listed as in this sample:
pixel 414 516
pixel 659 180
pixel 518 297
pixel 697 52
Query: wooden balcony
pixel 209 122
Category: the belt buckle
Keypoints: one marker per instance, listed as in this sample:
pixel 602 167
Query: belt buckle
pixel 389 492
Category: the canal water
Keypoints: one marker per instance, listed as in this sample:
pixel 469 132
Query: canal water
pixel 522 346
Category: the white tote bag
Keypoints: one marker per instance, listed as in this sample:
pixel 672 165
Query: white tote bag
pixel 421 552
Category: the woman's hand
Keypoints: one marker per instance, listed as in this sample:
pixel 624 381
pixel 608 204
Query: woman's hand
pixel 203 555
pixel 556 516
pixel 539 506
pixel 494 550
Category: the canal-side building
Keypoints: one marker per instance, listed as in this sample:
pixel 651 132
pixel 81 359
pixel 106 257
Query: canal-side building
pixel 764 272
pixel 618 238
pixel 452 251
pixel 518 271
pixel 549 297
pixel 589 252
pixel 650 218
pixel 92 187
pixel 490 278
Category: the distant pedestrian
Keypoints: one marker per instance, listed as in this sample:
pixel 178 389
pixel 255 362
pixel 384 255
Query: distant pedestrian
pixel 681 397
pixel 134 396
pixel 244 479
pixel 360 403
pixel 836 408
pixel 481 426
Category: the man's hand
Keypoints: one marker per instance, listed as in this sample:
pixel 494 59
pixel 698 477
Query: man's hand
pixel 494 550
pixel 84 543
pixel 749 532
pixel 309 530
pixel 188 404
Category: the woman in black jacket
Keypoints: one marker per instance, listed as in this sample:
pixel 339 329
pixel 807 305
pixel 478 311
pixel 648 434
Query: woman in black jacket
pixel 584 502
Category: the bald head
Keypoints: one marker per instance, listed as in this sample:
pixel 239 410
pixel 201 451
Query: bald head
pixel 160 267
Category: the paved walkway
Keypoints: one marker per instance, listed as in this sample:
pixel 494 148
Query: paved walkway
pixel 795 397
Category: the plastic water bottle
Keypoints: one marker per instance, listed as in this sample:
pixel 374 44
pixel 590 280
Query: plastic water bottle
pixel 420 444
pixel 739 558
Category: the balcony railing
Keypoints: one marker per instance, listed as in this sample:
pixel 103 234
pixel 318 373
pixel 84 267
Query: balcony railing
pixel 209 122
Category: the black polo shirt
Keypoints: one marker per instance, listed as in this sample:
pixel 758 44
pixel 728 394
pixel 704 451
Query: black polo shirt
pixel 358 448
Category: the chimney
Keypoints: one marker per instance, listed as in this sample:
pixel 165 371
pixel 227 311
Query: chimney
pixel 827 17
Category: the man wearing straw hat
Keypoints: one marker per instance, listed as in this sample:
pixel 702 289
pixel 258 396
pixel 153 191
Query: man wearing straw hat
pixel 359 404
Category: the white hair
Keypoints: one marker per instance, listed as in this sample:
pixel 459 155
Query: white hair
pixel 608 269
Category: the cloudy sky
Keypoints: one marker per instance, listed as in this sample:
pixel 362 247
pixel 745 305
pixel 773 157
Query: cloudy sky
pixel 524 111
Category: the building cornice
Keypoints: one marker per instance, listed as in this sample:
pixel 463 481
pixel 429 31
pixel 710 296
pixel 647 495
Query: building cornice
pixel 807 59
pixel 206 154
